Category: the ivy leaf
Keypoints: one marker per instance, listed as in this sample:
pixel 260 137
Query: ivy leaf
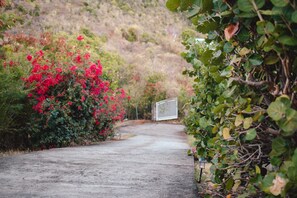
pixel 247 123
pixel 247 6
pixel 251 134
pixel 280 3
pixel 172 5
pixel 287 40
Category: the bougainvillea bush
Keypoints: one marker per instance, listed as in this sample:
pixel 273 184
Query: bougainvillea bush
pixel 73 102
pixel 244 113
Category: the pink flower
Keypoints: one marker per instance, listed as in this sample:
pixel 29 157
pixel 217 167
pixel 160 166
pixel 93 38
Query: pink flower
pixel 40 53
pixel 29 57
pixel 73 68
pixel 80 38
pixel 231 30
pixel 87 56
pixel 82 99
pixel 70 103
pixel 78 59
pixel 59 70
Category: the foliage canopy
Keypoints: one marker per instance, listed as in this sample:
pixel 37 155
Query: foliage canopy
pixel 244 113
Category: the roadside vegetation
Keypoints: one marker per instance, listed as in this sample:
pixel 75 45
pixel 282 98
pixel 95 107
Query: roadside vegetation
pixel 50 52
pixel 243 114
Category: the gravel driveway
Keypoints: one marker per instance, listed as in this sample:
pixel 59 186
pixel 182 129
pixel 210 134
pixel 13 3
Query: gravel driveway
pixel 151 163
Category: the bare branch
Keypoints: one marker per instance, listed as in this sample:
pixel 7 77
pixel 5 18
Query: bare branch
pixel 250 83
pixel 272 131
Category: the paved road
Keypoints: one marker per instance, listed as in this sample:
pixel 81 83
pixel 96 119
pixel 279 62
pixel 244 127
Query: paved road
pixel 151 163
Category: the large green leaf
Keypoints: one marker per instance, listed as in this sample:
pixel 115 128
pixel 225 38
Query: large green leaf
pixel 193 12
pixel 207 26
pixel 280 3
pixel 256 60
pixel 251 134
pixel 277 110
pixel 292 173
pixel 173 4
pixel 289 125
pixel 279 146
pixel 264 27
pixel 267 182
pixel 288 40
pixel 247 5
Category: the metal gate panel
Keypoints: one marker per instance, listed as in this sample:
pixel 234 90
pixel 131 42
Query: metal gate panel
pixel 167 109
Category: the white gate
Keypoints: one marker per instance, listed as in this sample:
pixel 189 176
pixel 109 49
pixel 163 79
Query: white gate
pixel 167 109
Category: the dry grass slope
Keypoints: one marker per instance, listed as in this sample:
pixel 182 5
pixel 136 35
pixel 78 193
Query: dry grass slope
pixel 143 32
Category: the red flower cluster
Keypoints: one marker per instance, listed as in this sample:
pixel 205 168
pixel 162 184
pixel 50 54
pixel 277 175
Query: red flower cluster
pixel 75 89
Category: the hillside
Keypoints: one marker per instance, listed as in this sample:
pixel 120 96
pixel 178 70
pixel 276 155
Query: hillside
pixel 142 32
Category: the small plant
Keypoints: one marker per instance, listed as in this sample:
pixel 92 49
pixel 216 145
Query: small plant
pixel 130 35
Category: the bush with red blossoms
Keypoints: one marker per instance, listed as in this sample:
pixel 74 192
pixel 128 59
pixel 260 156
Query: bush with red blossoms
pixel 72 103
